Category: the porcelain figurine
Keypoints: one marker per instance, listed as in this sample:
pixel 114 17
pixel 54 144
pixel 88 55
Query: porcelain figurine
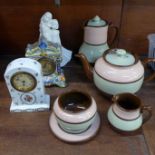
pixel 49 32
pixel 49 51
pixel 95 38
pixel 117 71
pixel 49 29
pixel 126 114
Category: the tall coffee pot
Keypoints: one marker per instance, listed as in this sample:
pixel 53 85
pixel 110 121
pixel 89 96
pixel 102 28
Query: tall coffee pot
pixel 95 38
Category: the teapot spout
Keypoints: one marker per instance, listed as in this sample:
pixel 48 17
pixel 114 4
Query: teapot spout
pixel 87 68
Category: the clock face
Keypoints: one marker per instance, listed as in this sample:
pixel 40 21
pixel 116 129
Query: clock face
pixel 48 66
pixel 23 81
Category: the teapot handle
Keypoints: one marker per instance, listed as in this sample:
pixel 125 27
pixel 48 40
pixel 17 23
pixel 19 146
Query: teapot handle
pixel 146 61
pixel 111 26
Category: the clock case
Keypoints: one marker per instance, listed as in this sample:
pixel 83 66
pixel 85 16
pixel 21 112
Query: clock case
pixel 33 100
pixel 53 53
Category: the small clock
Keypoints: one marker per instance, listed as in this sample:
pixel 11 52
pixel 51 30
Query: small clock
pixel 48 66
pixel 24 80
pixel 50 57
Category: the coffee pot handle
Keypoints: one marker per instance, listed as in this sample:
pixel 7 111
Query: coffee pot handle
pixel 148 109
pixel 152 76
pixel 115 28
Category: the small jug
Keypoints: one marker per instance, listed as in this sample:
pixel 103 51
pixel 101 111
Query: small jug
pixel 126 113
pixel 95 38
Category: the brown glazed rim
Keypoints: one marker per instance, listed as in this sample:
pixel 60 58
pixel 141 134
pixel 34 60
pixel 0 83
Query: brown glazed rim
pixel 74 91
pixel 138 103
pixel 108 51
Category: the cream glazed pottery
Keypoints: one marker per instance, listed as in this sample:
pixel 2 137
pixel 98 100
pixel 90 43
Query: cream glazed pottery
pixel 74 138
pixel 95 38
pixel 117 71
pixel 75 113
pixel 126 112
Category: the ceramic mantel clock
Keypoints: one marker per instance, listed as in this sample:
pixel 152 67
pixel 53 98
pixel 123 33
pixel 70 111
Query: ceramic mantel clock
pixel 49 56
pixel 49 51
pixel 24 80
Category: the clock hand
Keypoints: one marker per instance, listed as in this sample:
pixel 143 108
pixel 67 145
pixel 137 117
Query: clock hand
pixel 23 83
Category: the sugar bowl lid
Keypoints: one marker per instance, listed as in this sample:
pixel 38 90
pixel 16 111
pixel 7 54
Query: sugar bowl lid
pixel 119 57
pixel 96 21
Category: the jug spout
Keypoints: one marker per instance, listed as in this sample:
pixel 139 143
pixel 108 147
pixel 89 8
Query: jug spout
pixel 87 67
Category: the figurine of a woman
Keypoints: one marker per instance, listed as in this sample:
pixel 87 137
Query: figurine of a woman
pixel 49 29
pixel 49 33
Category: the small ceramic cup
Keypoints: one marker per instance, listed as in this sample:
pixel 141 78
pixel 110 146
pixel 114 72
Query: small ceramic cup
pixel 126 112
pixel 75 111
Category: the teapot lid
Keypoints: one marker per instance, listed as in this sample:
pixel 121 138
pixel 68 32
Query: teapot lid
pixel 96 21
pixel 119 57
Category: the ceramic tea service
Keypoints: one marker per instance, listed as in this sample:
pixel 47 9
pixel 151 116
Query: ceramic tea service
pixel 95 38
pixel 117 71
pixel 75 117
pixel 126 112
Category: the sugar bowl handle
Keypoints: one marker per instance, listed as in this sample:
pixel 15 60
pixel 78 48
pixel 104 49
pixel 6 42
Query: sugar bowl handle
pixel 115 28
pixel 148 110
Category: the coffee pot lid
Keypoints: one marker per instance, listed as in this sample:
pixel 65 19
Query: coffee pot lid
pixel 119 57
pixel 96 21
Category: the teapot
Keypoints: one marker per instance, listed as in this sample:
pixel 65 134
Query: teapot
pixel 95 38
pixel 117 71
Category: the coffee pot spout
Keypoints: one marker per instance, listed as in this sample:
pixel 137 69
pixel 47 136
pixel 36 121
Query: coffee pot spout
pixel 87 67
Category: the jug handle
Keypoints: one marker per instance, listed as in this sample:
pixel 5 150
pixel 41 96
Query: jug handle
pixel 148 109
pixel 111 26
pixel 146 61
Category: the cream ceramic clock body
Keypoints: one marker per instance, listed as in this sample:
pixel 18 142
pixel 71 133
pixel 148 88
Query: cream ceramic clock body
pixel 24 80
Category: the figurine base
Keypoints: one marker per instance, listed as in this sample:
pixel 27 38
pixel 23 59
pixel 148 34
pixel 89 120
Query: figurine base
pixel 55 79
pixel 35 107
